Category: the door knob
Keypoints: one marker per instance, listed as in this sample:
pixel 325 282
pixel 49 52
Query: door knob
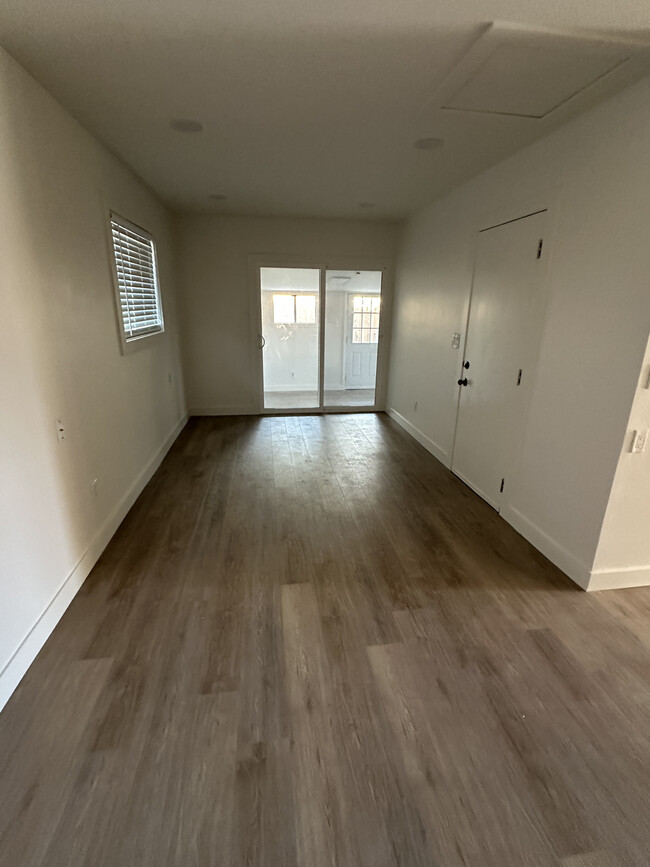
pixel 463 381
pixel 466 365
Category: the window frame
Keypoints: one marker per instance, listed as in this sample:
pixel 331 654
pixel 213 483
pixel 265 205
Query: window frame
pixel 295 296
pixel 128 343
pixel 361 328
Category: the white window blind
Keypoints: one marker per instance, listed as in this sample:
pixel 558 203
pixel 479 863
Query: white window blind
pixel 137 279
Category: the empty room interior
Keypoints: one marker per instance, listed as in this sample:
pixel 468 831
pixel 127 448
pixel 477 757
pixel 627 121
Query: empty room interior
pixel 324 527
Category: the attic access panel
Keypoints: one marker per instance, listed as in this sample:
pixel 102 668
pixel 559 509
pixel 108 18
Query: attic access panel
pixel 525 73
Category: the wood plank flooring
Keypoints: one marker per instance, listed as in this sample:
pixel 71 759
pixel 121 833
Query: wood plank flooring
pixel 310 645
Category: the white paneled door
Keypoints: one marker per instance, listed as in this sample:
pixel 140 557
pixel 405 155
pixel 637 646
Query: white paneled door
pixel 362 340
pixel 500 353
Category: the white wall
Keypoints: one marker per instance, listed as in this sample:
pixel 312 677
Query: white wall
pixel 594 176
pixel 217 299
pixel 60 358
pixel 623 555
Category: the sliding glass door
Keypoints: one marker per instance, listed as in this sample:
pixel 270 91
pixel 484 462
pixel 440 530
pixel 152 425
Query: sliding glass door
pixel 352 314
pixel 320 338
pixel 290 300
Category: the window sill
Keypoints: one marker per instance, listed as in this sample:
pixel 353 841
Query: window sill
pixel 134 344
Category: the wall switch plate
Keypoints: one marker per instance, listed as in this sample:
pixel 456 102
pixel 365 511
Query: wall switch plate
pixel 455 340
pixel 639 440
pixel 60 430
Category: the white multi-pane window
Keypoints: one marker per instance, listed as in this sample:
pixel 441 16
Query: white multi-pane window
pixel 137 287
pixel 365 318
pixel 294 309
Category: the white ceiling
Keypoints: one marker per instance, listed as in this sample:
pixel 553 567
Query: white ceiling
pixel 309 107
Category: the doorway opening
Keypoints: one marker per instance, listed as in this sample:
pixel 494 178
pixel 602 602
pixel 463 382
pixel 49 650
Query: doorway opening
pixel 352 323
pixel 290 300
pixel 320 337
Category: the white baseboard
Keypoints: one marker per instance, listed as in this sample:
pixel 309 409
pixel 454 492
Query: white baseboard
pixel 617 579
pixel 563 559
pixel 558 555
pixel 599 579
pixel 222 410
pixel 28 649
pixel 476 490
pixel 417 434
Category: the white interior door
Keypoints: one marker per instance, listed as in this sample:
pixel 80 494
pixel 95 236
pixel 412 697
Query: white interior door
pixel 362 341
pixel 501 346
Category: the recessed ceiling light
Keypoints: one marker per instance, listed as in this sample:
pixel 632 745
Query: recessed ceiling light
pixel 181 124
pixel 366 204
pixel 428 144
pixel 217 197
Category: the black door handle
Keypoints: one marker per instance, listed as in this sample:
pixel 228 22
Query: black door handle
pixel 466 365
pixel 463 381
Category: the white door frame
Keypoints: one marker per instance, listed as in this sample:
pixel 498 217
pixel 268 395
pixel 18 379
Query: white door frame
pixel 256 261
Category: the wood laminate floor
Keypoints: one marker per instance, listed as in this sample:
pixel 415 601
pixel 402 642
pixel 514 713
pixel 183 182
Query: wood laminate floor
pixel 309 644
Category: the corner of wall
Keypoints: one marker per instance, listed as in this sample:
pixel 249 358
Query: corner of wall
pixel 563 559
pixel 431 446
pixel 619 579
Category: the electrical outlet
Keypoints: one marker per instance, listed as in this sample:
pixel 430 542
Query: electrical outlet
pixel 639 440
pixel 60 430
pixel 455 340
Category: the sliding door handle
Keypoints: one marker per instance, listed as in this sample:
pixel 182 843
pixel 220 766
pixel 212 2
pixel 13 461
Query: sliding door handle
pixel 262 341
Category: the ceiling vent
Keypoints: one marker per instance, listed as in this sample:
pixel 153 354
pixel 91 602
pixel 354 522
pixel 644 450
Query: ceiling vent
pixel 517 72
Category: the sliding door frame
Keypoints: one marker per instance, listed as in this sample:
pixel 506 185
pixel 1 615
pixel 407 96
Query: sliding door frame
pixel 257 261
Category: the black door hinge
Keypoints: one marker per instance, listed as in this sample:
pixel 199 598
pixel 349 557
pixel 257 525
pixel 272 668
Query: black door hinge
pixel 539 248
pixel 503 481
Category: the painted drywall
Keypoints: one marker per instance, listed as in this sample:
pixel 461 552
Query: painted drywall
pixel 593 175
pixel 623 554
pixel 217 310
pixel 60 359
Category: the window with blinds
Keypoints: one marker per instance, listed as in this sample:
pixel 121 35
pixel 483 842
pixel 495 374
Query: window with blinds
pixel 137 280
